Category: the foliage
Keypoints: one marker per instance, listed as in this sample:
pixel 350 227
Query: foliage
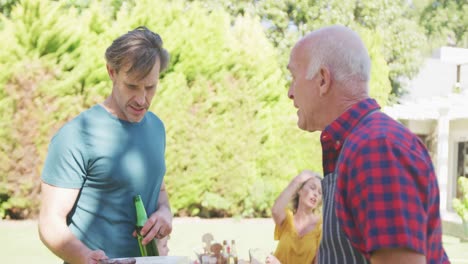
pixel 229 99
pixel 446 22
pixel 380 88
pixel 393 20
pixel 461 204
pixel 21 148
pixel 232 138
pixel 43 48
pixel 6 6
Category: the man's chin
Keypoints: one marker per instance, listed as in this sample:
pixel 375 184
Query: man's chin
pixel 305 128
pixel 134 119
pixel 301 125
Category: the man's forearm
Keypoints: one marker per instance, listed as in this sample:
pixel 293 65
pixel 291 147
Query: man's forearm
pixel 60 240
pixel 397 255
pixel 163 202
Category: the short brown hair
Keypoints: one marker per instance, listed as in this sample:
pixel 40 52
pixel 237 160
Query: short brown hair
pixel 141 48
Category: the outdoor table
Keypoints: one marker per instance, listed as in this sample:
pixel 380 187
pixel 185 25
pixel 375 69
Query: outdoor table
pixel 148 260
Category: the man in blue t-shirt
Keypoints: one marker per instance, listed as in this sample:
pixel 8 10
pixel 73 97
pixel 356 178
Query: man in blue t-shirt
pixel 101 159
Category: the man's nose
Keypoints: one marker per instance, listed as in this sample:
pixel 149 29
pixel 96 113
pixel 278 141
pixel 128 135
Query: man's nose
pixel 141 98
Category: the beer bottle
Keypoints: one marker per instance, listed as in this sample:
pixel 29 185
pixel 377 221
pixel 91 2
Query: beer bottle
pixel 235 259
pixel 150 249
pixel 225 252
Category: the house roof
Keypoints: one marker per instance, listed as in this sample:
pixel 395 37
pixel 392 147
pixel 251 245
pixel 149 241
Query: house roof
pixel 454 105
pixel 452 55
pixel 431 92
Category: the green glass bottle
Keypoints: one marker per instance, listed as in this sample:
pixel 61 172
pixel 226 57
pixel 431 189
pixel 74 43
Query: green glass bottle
pixel 150 249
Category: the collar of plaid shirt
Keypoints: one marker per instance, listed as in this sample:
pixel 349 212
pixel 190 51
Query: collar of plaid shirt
pixel 334 135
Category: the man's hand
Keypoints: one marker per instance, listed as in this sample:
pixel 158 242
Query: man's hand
pixel 159 225
pixel 93 257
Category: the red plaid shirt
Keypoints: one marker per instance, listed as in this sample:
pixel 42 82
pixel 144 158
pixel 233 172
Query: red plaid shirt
pixel 387 193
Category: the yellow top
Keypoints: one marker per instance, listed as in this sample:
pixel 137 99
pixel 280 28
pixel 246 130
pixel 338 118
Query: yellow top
pixel 293 249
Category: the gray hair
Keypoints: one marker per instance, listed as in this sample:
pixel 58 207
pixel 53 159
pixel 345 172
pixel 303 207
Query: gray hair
pixel 344 54
pixel 141 48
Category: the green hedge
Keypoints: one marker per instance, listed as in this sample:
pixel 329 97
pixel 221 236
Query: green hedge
pixel 232 139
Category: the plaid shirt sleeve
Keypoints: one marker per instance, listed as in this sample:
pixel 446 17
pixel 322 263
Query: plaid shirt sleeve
pixel 383 187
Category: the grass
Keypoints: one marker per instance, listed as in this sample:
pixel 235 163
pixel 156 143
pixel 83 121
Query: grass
pixel 20 243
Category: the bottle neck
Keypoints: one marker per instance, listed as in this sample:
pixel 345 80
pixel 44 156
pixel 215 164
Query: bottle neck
pixel 141 216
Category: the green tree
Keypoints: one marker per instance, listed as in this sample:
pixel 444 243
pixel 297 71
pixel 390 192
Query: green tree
pixel 38 39
pixel 446 22
pixel 6 6
pixel 42 86
pixel 232 139
pixel 393 21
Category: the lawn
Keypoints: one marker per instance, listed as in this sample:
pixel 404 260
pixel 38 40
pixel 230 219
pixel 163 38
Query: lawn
pixel 20 243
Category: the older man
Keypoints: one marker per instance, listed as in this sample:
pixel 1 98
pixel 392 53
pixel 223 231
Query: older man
pixel 381 197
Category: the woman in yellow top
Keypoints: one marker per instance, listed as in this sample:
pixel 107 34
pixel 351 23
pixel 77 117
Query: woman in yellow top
pixel 299 230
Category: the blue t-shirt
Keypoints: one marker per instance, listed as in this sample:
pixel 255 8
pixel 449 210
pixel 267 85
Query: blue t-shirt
pixel 110 160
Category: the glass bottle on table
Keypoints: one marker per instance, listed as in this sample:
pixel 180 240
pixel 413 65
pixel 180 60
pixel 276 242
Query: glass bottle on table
pixel 150 249
pixel 234 256
pixel 224 252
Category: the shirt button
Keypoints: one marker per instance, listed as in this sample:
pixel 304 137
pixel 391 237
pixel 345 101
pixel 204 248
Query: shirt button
pixel 337 145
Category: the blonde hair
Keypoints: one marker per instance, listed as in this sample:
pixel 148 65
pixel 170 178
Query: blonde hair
pixel 295 200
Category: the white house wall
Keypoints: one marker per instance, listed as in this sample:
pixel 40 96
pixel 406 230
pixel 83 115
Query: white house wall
pixel 442 158
pixel 421 127
pixel 459 125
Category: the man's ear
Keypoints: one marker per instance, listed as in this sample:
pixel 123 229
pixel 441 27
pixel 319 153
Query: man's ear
pixel 111 72
pixel 325 81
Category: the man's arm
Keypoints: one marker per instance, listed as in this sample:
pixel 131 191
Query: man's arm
pixel 396 198
pixel 159 224
pixel 53 230
pixel 397 255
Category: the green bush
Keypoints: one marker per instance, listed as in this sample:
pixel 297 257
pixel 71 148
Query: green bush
pixel 461 204
pixel 232 138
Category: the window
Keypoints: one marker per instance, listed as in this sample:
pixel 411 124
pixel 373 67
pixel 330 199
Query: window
pixel 462 162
